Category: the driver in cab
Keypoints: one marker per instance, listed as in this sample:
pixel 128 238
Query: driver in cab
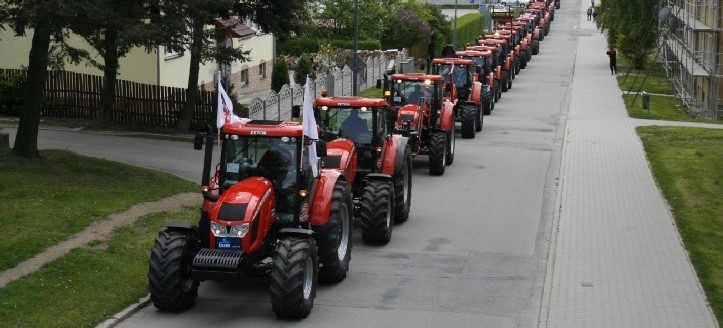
pixel 354 126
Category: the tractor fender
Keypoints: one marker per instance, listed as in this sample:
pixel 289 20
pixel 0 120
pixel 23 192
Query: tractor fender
pixel 536 33
pixel 498 73
pixel 251 201
pixel 517 51
pixel 341 155
pixel 393 159
pixel 476 95
pixel 446 122
pixel 321 202
pixel 379 177
pixel 491 80
pixel 180 226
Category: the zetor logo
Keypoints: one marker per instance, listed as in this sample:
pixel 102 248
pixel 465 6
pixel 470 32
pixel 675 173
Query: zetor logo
pixel 257 133
pixel 343 104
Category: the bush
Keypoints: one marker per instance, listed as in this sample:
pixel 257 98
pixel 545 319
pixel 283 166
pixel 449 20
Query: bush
pixel 304 67
pixel 280 75
pixel 299 46
pixel 12 89
pixel 469 27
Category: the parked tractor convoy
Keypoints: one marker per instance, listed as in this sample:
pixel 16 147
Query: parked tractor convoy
pixel 270 210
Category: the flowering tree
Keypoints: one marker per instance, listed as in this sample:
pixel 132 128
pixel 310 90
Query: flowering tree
pixel 405 29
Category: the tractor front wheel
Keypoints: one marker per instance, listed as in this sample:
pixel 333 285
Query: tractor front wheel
pixel 504 81
pixel 169 272
pixel 335 244
pixel 478 117
pixel 523 59
pixel 487 102
pixel 403 189
pixel 535 47
pixel 517 65
pixel 377 204
pixel 467 116
pixel 451 144
pixel 294 273
pixel 498 91
pixel 437 153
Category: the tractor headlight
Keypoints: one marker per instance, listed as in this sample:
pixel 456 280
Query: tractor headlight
pixel 218 230
pixel 239 230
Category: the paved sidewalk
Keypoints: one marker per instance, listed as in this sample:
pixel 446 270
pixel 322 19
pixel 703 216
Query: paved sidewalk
pixel 618 259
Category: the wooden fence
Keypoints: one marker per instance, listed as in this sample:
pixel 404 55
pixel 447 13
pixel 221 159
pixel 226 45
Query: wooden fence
pixel 75 95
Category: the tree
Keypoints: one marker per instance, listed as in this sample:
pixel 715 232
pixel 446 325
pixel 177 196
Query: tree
pixel 372 16
pixel 280 75
pixel 405 29
pixel 630 27
pixel 47 19
pixel 304 68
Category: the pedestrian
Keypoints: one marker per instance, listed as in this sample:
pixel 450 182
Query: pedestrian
pixel 589 13
pixel 592 2
pixel 613 60
pixel 594 15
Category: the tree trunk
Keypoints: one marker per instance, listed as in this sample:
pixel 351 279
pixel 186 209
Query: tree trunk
pixel 26 140
pixel 185 116
pixel 110 74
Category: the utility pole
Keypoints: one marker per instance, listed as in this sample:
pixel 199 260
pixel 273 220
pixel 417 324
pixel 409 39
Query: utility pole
pixel 354 68
pixel 454 31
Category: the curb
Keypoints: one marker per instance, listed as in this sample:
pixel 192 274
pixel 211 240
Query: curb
pixel 125 313
pixel 8 124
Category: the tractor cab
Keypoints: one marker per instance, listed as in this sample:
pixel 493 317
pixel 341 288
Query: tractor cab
pixel 457 75
pixel 482 61
pixel 502 51
pixel 415 95
pixel 488 52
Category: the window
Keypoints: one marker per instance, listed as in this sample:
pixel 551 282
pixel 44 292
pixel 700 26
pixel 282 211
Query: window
pixel 245 76
pixel 262 70
pixel 170 53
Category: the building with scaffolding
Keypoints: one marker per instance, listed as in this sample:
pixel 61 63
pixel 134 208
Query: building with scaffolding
pixel 690 48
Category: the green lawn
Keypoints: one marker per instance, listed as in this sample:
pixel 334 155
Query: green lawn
pixel 687 166
pixel 372 93
pixel 661 108
pixel 45 201
pixel 88 285
pixel 649 84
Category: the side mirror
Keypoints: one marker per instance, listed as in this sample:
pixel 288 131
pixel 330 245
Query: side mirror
pixel 198 141
pixel 320 148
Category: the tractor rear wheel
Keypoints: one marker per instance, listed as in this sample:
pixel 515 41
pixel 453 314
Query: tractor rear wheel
pixel 535 47
pixel 335 244
pixel 467 116
pixel 403 189
pixel 504 81
pixel 523 59
pixel 478 116
pixel 498 90
pixel 294 273
pixel 547 29
pixel 517 65
pixel 169 272
pixel 377 204
pixel 451 144
pixel 437 153
pixel 487 102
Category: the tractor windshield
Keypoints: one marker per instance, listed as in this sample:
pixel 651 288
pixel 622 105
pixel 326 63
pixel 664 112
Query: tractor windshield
pixel 410 92
pixel 274 158
pixel 460 75
pixel 346 122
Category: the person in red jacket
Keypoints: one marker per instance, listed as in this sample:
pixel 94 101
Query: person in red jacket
pixel 613 60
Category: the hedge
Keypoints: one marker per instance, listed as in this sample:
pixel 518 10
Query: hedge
pixel 299 46
pixel 469 27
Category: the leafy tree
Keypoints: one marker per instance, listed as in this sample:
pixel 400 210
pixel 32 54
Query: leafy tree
pixel 304 67
pixel 372 15
pixel 405 29
pixel 48 20
pixel 630 26
pixel 280 75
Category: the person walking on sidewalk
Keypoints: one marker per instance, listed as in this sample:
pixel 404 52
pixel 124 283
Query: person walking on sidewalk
pixel 613 60
pixel 589 13
pixel 594 15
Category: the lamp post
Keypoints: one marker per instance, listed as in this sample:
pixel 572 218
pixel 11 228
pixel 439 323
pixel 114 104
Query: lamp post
pixel 454 31
pixel 354 68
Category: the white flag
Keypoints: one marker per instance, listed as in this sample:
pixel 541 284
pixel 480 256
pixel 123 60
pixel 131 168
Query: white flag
pixel 224 111
pixel 309 127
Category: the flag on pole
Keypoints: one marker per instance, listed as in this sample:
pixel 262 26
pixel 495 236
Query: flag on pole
pixel 224 111
pixel 308 127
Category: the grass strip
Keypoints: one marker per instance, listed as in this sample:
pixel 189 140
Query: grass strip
pixel 661 108
pixel 43 202
pixel 687 166
pixel 86 286
pixel 650 84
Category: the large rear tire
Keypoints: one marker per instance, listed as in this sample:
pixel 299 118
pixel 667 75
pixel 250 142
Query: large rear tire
pixel 169 272
pixel 478 117
pixel 437 153
pixel 377 204
pixel 498 90
pixel 467 116
pixel 294 273
pixel 535 47
pixel 504 81
pixel 451 145
pixel 403 189
pixel 518 64
pixel 487 102
pixel 524 58
pixel 335 243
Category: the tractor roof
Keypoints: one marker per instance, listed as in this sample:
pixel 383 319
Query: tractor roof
pixel 482 48
pixel 264 128
pixel 350 102
pixel 498 36
pixel 474 53
pixel 483 51
pixel 493 41
pixel 416 77
pixel 455 61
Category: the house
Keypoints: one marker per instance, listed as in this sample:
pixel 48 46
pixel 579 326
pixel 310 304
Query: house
pixel 164 67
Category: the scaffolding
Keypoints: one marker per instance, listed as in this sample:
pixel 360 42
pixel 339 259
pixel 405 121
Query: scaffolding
pixel 690 45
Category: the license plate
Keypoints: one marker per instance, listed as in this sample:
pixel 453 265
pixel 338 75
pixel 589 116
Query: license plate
pixel 228 243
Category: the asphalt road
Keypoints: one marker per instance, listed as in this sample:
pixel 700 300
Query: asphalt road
pixel 474 251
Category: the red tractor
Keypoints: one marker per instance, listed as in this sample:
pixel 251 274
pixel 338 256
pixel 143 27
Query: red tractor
pixel 533 30
pixel 463 90
pixel 483 65
pixel 376 162
pixel 506 60
pixel 512 45
pixel 490 54
pixel 264 213
pixel 424 116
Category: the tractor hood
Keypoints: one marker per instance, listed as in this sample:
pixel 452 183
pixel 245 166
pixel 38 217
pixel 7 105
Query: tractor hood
pixel 408 113
pixel 240 203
